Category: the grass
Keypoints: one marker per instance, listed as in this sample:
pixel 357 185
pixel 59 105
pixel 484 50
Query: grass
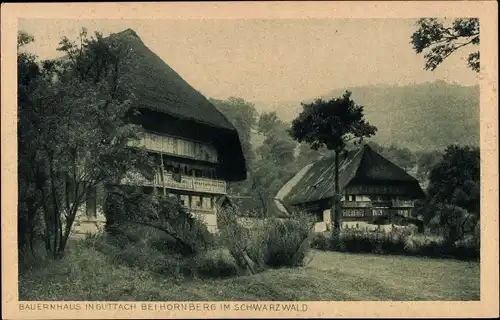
pixel 86 274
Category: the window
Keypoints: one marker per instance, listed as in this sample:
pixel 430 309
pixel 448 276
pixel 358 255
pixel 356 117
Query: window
pixel 353 213
pixel 353 198
pixel 91 203
pixel 378 212
pixel 184 199
pixel 207 203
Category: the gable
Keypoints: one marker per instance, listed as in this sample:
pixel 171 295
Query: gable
pixel 316 181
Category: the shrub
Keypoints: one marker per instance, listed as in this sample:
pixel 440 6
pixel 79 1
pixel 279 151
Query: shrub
pixel 392 242
pixel 354 241
pixel 286 241
pixel 138 254
pixel 452 220
pixel 265 243
pixel 215 264
pixel 399 242
pixel 320 241
pixel 184 233
pixel 242 244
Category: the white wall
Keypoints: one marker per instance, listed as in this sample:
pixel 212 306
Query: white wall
pixel 83 224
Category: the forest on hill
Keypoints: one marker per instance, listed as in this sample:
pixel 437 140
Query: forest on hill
pixel 420 117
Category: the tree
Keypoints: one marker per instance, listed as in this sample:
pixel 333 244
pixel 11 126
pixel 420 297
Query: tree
pixel 426 161
pixel 275 164
pixel 268 122
pixel 72 132
pixel 333 124
pixel 441 41
pixel 455 180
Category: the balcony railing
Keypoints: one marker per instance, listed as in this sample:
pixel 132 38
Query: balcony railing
pixel 186 183
pixel 402 203
pixel 356 204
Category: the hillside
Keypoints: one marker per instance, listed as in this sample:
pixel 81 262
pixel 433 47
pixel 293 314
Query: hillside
pixel 419 116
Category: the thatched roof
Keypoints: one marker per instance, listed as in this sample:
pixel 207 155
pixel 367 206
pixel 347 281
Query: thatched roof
pixel 158 88
pixel 315 182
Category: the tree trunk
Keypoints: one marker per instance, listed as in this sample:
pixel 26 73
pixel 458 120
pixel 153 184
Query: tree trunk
pixel 264 205
pixel 335 211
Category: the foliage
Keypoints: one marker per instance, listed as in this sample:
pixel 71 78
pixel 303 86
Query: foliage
pixel 270 164
pixel 426 161
pixel 275 163
pixel 270 242
pixel 141 253
pixel 241 242
pixel 441 41
pixel 332 124
pixel 455 180
pixel 396 242
pixel 286 241
pixel 72 133
pixel 129 206
pixel 455 223
pixel 268 122
pixel 215 264
pixel 320 241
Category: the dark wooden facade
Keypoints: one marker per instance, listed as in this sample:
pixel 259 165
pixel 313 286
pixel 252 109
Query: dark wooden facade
pixel 371 187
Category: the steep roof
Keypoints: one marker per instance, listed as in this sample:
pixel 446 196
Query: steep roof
pixel 158 87
pixel 316 181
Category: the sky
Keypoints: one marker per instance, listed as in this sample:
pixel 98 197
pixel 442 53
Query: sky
pixel 272 60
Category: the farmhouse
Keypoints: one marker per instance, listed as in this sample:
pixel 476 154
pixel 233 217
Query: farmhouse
pixel 372 187
pixel 196 149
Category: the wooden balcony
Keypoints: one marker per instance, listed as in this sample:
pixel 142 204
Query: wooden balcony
pixel 187 183
pixel 402 203
pixel 356 204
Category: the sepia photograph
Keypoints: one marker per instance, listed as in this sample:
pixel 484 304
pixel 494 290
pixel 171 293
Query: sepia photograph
pixel 183 162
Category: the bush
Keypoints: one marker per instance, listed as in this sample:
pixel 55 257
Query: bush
pixel 265 243
pixel 128 208
pixel 139 254
pixel 320 241
pixel 245 244
pixel 215 264
pixel 286 242
pixel 398 242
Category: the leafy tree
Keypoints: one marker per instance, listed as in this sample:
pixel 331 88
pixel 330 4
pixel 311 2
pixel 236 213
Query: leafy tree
pixel 72 132
pixel 267 122
pixel 332 123
pixel 441 41
pixel 455 222
pixel 455 180
pixel 426 161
